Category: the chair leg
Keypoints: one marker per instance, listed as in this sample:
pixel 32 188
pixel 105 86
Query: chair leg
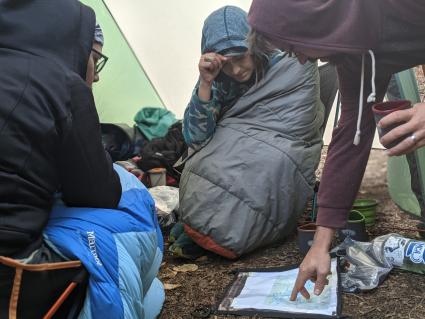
pixel 60 300
pixel 78 305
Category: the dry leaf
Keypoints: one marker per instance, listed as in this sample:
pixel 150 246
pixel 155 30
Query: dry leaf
pixel 186 268
pixel 167 273
pixel 171 286
pixel 202 259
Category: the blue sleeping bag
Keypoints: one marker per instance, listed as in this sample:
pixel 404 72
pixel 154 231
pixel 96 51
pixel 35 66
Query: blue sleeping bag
pixel 120 248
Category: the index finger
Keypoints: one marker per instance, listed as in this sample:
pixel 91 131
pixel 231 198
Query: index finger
pixel 299 287
pixel 395 117
pixel 222 58
pixel 209 66
pixel 401 148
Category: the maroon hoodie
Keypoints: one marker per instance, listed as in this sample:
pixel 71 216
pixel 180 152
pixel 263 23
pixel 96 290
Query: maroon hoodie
pixel 344 31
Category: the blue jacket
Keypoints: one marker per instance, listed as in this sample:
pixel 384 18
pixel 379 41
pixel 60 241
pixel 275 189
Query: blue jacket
pixel 120 248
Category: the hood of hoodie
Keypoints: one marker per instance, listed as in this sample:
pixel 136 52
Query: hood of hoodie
pixel 340 27
pixel 61 30
pixel 322 29
pixel 224 29
pixel 334 26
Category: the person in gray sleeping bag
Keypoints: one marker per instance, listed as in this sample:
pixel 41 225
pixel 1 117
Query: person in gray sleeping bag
pixel 254 122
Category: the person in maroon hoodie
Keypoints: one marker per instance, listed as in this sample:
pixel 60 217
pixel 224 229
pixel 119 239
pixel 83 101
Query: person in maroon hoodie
pixel 366 40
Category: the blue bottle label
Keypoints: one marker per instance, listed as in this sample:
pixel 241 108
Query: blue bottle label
pixel 415 251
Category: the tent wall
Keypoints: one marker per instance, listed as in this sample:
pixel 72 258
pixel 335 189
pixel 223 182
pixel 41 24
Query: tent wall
pixel 123 87
pixel 406 182
pixel 166 37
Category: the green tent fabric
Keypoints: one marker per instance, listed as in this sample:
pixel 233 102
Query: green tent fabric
pixel 406 174
pixel 124 86
pixel 154 122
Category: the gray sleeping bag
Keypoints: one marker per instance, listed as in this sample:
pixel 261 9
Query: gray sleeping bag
pixel 246 188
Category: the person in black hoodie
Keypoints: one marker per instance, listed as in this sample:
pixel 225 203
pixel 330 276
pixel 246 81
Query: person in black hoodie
pixel 49 129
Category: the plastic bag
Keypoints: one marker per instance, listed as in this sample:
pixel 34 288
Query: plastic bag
pixel 365 265
pixel 167 203
pixel 368 264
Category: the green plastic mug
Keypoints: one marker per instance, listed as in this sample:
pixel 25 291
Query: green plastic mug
pixel 368 209
pixel 355 228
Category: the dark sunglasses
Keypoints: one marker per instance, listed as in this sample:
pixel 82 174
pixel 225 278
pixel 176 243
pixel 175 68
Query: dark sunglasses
pixel 101 61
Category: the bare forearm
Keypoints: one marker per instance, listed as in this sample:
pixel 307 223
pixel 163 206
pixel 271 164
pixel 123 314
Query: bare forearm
pixel 323 238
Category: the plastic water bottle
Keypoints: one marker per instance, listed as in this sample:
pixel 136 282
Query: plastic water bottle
pixel 404 253
pixel 368 263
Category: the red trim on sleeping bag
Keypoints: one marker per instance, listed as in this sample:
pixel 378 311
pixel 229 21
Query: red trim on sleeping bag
pixel 208 243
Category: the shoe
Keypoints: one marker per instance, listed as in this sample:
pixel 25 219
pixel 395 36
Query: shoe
pixel 185 247
pixel 175 232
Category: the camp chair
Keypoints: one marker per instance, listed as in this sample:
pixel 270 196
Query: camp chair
pixel 49 290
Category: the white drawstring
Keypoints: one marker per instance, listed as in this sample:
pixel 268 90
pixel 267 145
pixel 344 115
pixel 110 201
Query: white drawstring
pixel 359 116
pixel 371 98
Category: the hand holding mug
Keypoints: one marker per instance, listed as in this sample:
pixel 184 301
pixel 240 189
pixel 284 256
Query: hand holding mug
pixel 407 127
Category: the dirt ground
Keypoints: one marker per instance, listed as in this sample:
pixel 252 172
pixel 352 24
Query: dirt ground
pixel 402 295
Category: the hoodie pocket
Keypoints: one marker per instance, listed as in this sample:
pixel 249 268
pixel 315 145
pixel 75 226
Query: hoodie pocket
pixel 14 237
pixel 14 78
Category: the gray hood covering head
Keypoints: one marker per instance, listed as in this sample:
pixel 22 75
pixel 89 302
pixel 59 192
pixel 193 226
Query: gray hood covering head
pixel 225 29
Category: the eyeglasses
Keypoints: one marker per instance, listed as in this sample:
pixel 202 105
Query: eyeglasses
pixel 100 60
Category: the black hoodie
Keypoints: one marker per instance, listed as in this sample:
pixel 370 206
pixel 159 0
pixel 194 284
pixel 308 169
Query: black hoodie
pixel 49 128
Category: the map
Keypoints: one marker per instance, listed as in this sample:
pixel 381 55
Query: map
pixel 271 291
